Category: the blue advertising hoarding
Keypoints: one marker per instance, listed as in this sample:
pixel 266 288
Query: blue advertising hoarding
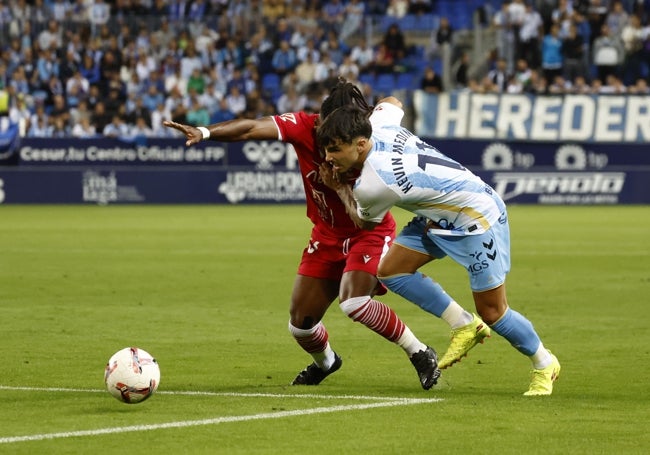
pixel 105 171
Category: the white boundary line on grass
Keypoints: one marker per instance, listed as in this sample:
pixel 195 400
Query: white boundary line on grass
pixel 215 394
pixel 384 402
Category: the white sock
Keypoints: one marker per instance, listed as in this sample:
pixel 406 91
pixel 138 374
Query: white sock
pixel 324 359
pixel 542 358
pixel 456 316
pixel 410 343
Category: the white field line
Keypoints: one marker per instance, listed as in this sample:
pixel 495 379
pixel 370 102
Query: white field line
pixel 384 402
pixel 214 394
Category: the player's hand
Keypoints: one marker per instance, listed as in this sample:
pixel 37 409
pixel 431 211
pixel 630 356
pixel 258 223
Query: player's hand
pixel 192 133
pixel 329 177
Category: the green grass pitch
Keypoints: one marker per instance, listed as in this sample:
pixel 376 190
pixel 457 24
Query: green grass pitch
pixel 206 290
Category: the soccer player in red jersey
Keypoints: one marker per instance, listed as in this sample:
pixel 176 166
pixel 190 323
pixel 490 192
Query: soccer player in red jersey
pixel 340 259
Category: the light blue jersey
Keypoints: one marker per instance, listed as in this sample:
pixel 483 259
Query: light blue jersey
pixel 404 171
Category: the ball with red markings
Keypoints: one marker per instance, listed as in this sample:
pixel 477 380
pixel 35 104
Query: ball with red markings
pixel 132 375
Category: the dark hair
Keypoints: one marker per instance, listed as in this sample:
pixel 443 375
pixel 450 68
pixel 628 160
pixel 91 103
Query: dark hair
pixel 342 94
pixel 343 125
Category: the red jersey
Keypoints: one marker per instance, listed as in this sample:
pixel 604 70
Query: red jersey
pixel 324 207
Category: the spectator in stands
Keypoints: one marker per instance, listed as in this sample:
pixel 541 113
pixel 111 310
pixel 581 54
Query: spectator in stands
pixel 84 129
pixel 98 14
pixel 197 82
pixel 431 82
pixel 60 108
pixel 18 82
pixel 363 55
pixel 222 113
pixel 395 42
pixel 596 14
pixel 325 68
pixel 39 128
pixel 332 15
pixel 532 28
pixel 500 76
pixel 190 61
pixel 633 37
pixel 100 118
pixel 20 114
pixel 460 71
pixel 552 54
pixel 573 48
pixel 308 49
pixel 559 85
pixel 236 101
pixel 210 98
pixel 272 10
pixel 640 87
pixel 284 59
pixel 384 61
pixel 524 74
pixel 516 13
pixel 397 8
pixel 89 69
pixel 580 86
pixel 561 16
pixel 354 14
pixel 305 73
pixel 347 67
pixel 51 38
pixel 157 117
pixel 613 86
pixel 80 111
pixel 290 101
pixel 197 114
pixel 617 18
pixel 504 35
pixel 609 53
pixel 58 128
pixel 116 128
pixel 445 33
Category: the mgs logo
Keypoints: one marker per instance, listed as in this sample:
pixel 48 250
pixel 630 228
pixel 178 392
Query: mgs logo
pixel 481 258
pixel 264 154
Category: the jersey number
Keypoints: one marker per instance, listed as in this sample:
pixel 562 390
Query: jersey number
pixel 423 160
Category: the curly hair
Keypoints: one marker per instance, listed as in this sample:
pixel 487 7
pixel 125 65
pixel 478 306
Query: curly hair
pixel 342 94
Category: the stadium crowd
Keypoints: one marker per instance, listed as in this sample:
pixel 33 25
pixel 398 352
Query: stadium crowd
pixel 118 68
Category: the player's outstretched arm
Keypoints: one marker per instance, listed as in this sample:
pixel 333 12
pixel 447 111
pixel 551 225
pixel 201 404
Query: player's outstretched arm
pixel 229 131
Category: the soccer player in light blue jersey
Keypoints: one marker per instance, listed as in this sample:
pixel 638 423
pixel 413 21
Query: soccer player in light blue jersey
pixel 456 215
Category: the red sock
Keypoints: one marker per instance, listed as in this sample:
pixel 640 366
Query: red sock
pixel 311 340
pixel 375 315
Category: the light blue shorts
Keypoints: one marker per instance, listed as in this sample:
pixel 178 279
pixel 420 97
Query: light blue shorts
pixel 486 257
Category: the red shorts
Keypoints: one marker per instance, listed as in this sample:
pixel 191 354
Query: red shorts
pixel 329 257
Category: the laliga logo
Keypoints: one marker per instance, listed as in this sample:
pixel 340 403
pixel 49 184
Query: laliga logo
pixel 263 153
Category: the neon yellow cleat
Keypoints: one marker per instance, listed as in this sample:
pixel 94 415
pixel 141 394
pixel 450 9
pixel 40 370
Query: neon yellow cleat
pixel 462 340
pixel 542 381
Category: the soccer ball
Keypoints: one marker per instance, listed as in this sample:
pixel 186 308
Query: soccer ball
pixel 132 375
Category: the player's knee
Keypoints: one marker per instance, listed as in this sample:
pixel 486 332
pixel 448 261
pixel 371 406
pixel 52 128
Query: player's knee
pixel 491 305
pixel 352 305
pixel 301 321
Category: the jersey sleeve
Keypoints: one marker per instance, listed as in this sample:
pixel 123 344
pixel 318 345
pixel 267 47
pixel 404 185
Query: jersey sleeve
pixel 294 126
pixel 374 199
